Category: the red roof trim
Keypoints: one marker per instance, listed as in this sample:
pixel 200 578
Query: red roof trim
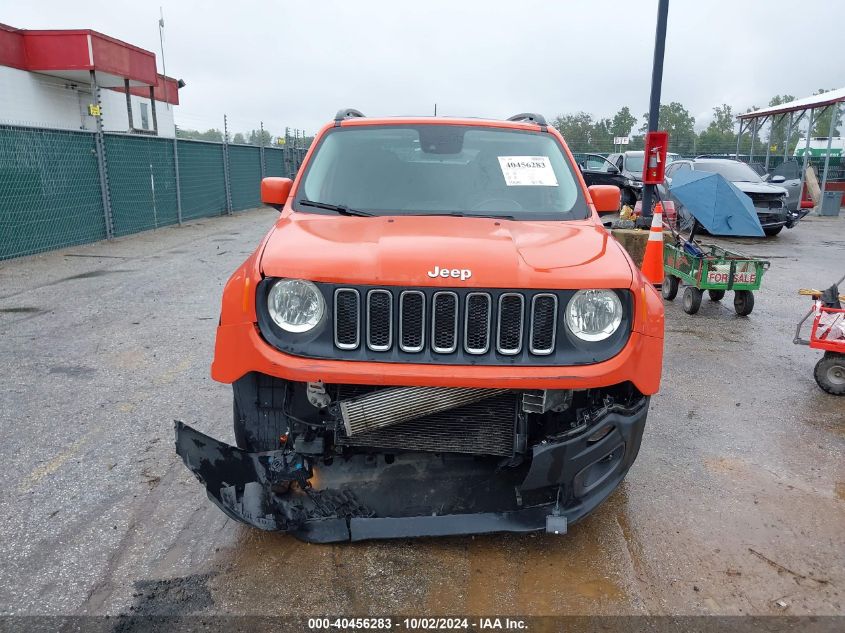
pixel 158 92
pixel 77 49
pixel 12 52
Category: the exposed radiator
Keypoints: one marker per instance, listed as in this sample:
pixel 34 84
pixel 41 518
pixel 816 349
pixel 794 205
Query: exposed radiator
pixel 483 427
pixel 391 406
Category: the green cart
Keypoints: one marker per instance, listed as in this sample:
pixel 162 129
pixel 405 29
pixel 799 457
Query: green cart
pixel 716 271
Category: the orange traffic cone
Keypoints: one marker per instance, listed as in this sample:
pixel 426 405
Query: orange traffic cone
pixel 652 267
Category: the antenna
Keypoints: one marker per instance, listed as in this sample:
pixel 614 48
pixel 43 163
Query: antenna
pixel 163 64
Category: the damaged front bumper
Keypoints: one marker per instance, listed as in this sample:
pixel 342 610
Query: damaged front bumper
pixel 370 496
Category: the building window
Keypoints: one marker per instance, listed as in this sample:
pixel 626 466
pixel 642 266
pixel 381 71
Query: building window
pixel 145 116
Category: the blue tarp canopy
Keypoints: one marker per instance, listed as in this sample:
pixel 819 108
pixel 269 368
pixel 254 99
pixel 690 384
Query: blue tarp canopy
pixel 716 203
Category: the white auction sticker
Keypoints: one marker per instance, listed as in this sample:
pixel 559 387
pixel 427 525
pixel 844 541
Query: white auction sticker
pixel 527 170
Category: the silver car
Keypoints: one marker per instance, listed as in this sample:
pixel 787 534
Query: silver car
pixel 770 200
pixel 788 176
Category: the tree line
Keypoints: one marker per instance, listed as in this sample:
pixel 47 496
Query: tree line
pixel 584 133
pixel 253 137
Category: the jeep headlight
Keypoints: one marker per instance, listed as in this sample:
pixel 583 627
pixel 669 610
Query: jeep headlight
pixel 593 315
pixel 295 305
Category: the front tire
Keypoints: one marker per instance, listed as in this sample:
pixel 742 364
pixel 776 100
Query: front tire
pixel 743 302
pixel 692 300
pixel 830 373
pixel 716 295
pixel 240 426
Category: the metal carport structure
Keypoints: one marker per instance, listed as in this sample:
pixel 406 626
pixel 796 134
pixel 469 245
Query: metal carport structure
pixel 824 101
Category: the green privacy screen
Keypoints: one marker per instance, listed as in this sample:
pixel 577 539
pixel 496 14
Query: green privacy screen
pixel 142 182
pixel 51 194
pixel 201 177
pixel 274 162
pixel 245 176
pixel 49 190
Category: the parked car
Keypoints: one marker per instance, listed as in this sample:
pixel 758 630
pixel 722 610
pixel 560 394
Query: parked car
pixel 630 165
pixel 788 176
pixel 597 170
pixel 769 199
pixel 437 336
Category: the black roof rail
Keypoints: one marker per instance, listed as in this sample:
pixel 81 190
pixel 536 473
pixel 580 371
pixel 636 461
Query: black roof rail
pixel 531 117
pixel 347 113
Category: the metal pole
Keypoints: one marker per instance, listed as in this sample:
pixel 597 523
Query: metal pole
pixel 128 104
pixel 176 170
pixel 153 190
pixel 769 142
pixel 102 166
pixel 787 137
pixel 226 165
pixel 261 150
pixel 656 84
pixel 153 104
pixel 739 138
pixel 753 136
pixel 286 152
pixel 163 64
pixel 806 155
pixel 833 120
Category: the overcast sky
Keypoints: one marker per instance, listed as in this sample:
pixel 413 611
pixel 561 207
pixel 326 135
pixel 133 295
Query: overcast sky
pixel 295 63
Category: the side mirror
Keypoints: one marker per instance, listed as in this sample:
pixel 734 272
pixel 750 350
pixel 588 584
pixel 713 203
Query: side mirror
pixel 275 191
pixel 613 169
pixel 606 198
pixel 777 179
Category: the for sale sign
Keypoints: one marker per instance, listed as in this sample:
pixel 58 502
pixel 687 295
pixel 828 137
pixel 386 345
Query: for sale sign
pixel 740 277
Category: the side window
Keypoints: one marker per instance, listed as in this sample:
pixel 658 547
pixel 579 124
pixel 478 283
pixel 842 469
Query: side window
pixel 683 167
pixel 145 116
pixel 619 162
pixel 595 163
pixel 671 169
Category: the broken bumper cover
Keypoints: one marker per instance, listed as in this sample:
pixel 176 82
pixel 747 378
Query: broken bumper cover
pixel 364 497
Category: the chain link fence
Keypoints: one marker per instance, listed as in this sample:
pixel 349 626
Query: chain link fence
pixel 53 193
pixel 756 155
pixel 49 190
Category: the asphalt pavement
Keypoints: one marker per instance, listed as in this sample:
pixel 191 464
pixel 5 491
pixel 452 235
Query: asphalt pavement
pixel 736 504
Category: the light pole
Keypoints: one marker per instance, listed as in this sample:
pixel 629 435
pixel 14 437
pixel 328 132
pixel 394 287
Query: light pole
pixel 649 191
pixel 161 44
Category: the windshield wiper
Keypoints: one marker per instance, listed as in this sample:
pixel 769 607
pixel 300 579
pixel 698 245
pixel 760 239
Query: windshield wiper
pixel 337 208
pixel 480 214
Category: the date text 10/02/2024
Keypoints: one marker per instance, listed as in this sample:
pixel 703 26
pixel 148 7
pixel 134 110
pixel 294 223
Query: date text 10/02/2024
pixel 434 624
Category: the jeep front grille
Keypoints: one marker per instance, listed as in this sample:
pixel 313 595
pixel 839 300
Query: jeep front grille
pixel 412 321
pixel 444 323
pixel 543 326
pixel 379 320
pixel 347 318
pixel 511 317
pixel 478 322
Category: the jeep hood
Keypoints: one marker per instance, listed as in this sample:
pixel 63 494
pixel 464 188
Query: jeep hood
pixel 398 250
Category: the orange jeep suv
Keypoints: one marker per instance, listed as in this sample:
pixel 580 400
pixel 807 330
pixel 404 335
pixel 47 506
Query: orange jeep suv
pixel 437 336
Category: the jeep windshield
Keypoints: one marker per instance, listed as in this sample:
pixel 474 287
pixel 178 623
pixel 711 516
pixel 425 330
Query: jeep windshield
pixel 437 169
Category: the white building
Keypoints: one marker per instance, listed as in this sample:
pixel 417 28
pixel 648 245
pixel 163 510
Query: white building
pixel 47 79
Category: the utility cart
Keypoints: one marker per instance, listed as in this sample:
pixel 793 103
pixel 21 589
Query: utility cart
pixel 712 268
pixel 827 333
